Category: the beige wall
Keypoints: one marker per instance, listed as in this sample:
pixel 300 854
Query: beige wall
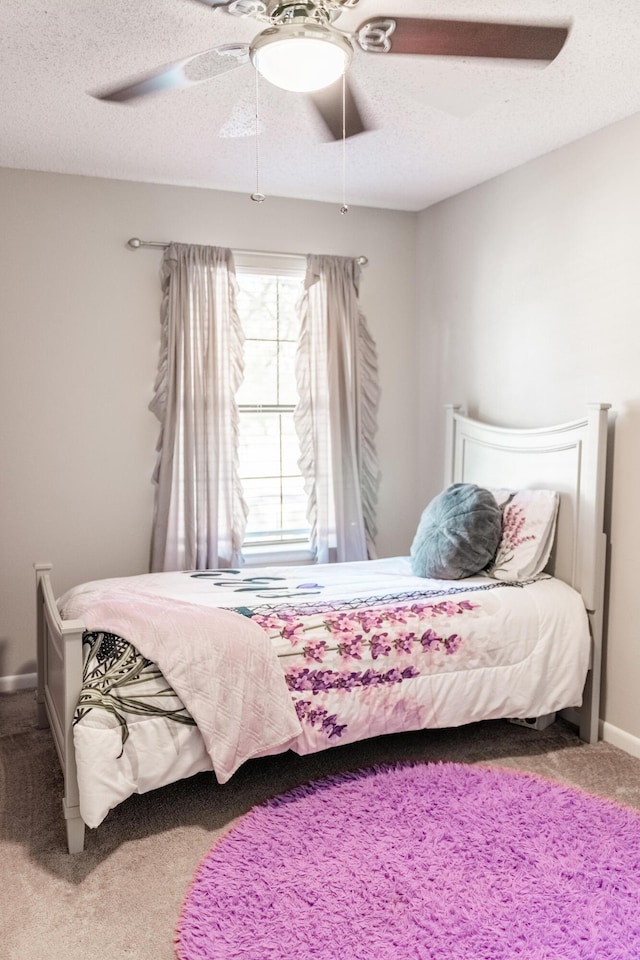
pixel 78 349
pixel 529 304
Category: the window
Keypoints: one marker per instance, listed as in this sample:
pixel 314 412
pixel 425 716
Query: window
pixel 269 289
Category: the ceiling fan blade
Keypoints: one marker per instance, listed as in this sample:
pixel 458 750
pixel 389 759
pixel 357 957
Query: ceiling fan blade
pixel 461 38
pixel 183 73
pixel 328 103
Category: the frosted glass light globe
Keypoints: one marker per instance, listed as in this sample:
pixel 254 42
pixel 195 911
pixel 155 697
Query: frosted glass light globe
pixel 302 58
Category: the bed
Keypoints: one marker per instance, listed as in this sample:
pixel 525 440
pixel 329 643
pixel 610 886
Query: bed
pixel 147 680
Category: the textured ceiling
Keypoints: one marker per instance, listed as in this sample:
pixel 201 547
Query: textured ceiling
pixel 440 125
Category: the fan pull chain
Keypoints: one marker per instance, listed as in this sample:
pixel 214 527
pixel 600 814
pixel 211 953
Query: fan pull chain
pixel 344 208
pixel 257 196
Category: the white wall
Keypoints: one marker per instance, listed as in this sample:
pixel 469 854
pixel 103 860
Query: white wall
pixel 79 330
pixel 529 307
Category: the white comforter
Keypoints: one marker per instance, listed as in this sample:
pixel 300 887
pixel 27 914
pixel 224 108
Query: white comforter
pixel 354 650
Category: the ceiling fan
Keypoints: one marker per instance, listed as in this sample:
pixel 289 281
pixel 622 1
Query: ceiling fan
pixel 301 49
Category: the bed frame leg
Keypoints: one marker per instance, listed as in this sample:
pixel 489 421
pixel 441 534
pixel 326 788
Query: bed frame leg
pixel 59 646
pixel 589 714
pixel 75 828
pixel 590 711
pixel 42 720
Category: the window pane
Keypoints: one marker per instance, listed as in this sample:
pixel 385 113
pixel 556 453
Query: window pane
pixel 288 392
pixel 276 512
pixel 290 446
pixel 294 505
pixel 263 499
pixel 258 306
pixel 260 447
pixel 290 290
pixel 260 384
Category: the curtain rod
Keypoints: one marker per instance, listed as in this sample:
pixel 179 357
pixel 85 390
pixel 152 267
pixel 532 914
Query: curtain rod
pixel 135 243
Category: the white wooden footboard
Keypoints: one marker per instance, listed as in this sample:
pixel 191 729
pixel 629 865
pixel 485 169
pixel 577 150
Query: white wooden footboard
pixel 59 654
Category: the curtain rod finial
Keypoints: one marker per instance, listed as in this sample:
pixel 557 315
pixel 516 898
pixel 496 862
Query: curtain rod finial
pixel 134 243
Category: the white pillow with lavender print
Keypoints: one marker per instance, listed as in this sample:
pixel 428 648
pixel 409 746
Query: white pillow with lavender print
pixel 528 530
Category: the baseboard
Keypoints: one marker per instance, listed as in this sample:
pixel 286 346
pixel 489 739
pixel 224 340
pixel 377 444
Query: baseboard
pixel 620 738
pixel 21 681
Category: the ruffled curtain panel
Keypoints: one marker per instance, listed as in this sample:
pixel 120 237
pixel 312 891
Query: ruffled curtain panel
pixel 200 513
pixel 336 417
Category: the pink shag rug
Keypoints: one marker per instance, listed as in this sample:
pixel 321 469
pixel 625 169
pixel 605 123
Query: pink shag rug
pixel 438 861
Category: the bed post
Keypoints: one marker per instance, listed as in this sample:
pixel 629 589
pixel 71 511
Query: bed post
pixel 592 574
pixel 42 569
pixel 59 664
pixel 450 411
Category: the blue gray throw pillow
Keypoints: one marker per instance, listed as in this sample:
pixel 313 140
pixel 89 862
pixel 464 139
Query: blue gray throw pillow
pixel 458 533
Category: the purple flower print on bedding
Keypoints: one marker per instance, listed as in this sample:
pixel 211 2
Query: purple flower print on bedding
pixel 404 642
pixel 431 641
pixel 513 521
pixel 378 632
pixel 325 642
pixel 452 644
pixel 293 630
pixel 301 679
pixel 270 621
pixel 314 650
pixel 379 646
pixel 319 717
pixel 351 647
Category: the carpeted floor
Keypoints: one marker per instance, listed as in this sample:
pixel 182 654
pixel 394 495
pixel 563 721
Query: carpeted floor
pixel 123 895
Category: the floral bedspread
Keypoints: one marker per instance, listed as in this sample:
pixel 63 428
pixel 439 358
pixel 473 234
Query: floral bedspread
pixel 366 649
pixel 330 650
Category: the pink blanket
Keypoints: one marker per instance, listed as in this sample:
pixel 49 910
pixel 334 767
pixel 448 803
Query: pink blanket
pixel 221 665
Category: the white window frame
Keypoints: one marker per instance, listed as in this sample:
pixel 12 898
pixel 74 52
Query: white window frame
pixel 281 265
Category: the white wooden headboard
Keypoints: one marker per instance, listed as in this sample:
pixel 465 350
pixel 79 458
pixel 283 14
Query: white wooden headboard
pixel 569 458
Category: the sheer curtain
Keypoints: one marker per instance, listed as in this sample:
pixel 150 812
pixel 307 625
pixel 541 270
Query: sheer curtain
pixel 337 376
pixel 200 513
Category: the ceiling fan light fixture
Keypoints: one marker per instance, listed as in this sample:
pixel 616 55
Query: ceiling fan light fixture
pixel 301 57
